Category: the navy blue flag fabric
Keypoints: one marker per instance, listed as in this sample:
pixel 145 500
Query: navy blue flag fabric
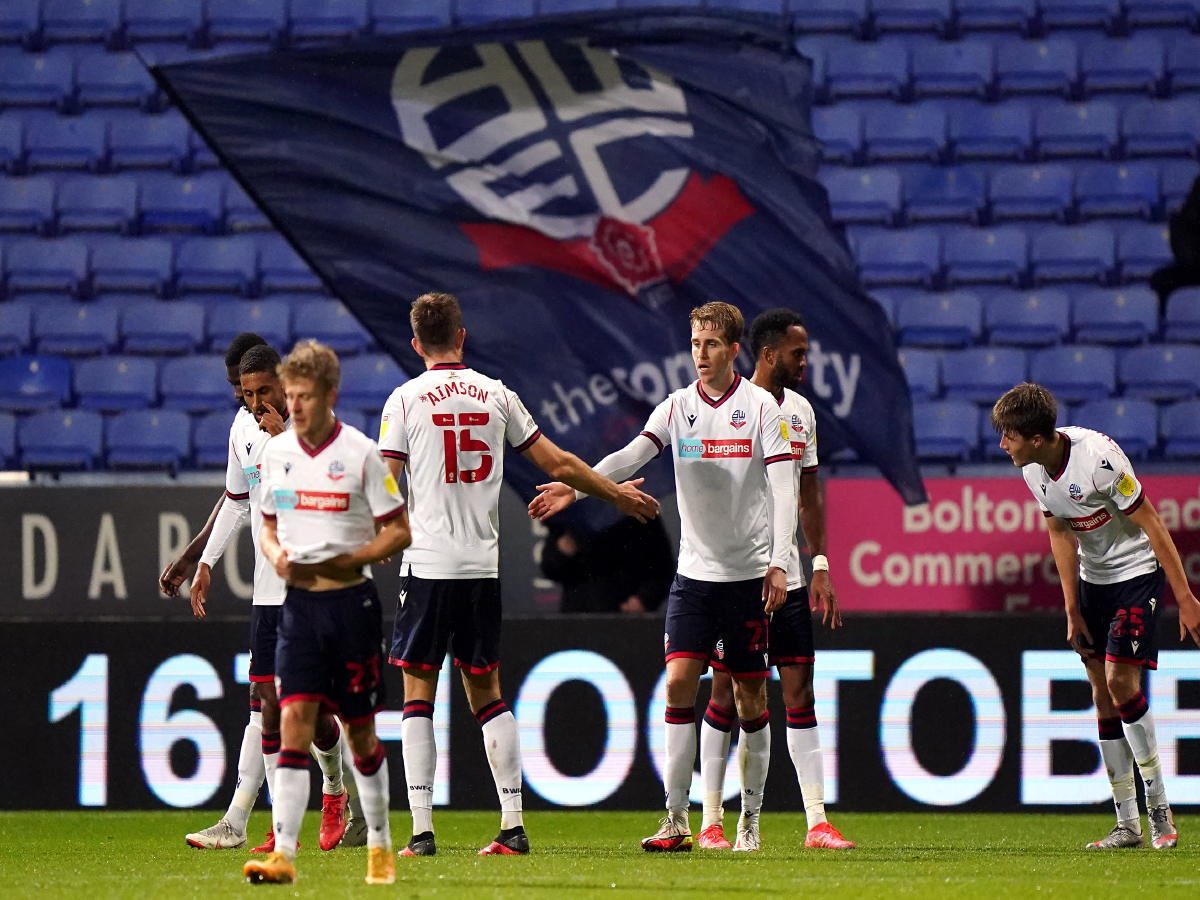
pixel 580 184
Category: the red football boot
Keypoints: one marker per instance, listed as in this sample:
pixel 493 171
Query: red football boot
pixel 333 819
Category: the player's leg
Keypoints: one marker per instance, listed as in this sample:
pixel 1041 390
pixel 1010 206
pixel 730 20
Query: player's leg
pixel 272 743
pixel 356 825
pixel 715 736
pixel 264 629
pixel 230 832
pixel 371 775
pixel 327 749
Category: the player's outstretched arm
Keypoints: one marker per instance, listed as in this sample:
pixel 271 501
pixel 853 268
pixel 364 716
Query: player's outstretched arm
pixel 812 523
pixel 226 525
pixel 1066 559
pixel 573 474
pixel 1146 518
pixel 180 568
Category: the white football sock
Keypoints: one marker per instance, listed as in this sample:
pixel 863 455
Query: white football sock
pixel 420 762
pixel 1118 764
pixel 330 761
pixel 804 747
pixel 680 744
pixel 715 735
pixel 1138 723
pixel 291 800
pixel 270 754
pixel 251 773
pixel 348 782
pixel 502 743
pixel 371 775
pixel 754 758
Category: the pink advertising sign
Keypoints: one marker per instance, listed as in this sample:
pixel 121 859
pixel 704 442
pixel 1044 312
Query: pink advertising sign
pixel 980 543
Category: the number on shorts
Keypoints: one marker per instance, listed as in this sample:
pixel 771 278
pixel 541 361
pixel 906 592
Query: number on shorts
pixel 363 676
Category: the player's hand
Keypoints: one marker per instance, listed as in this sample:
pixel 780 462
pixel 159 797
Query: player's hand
pixel 634 503
pixel 1078 636
pixel 200 589
pixel 1189 618
pixel 175 574
pixel 554 498
pixel 283 566
pixel 824 599
pixel 271 422
pixel 774 589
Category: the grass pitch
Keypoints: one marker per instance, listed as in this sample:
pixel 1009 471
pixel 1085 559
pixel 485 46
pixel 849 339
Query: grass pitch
pixel 577 855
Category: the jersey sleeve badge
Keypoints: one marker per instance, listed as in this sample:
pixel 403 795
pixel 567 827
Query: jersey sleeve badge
pixel 383 426
pixel 1126 485
pixel 389 482
pixel 783 430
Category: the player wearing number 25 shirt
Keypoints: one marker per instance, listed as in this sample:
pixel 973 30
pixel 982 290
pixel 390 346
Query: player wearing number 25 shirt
pixel 448 428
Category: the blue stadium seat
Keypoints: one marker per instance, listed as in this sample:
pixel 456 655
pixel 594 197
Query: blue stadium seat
pixel 330 323
pixel 131 264
pixel 1116 315
pixel 911 256
pixel 946 429
pixel 1128 64
pixel 138 141
pixel 81 330
pixel 148 438
pixel 867 69
pixel 561 7
pixel 889 299
pixel 327 18
pixel 62 142
pixel 982 374
pixel 163 20
pixel 27 204
pixel 98 203
pixel 47 265
pixel 217 265
pixel 1176 177
pixel 1183 59
pixel 1180 428
pixel 115 79
pixel 1030 319
pixel 478 12
pixel 912 15
pixel 813 48
pixel 953 68
pixel 989 441
pixel 1182 319
pixel 983 255
pixel 272 319
pixel 923 369
pixel 1012 15
pixel 1131 423
pixel 1142 249
pixel 282 268
pixel 1003 131
pixel 1081 253
pixel 1161 372
pixel 29 383
pixel 41 79
pixel 1162 127
pixel 839 129
pixel 190 203
pixel 246 20
pixel 1080 13
pixel 195 383
pixel 162 326
pixel 12 143
pixel 16 328
pixel 1075 373
pixel 357 418
pixel 8 440
pixel 1049 66
pixel 61 439
pixel 210 439
pixel 953 319
pixel 821 15
pixel 1033 192
pixel 240 212
pixel 863 195
pixel 899 133
pixel 20 22
pixel 368 380
pixel 1077 129
pixel 1117 189
pixel 389 18
pixel 81 20
pixel 1139 13
pixel 111 383
pixel 938 194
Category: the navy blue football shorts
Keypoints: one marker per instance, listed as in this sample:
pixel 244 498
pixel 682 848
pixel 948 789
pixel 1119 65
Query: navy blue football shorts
pixel 790 641
pixel 264 631
pixel 1122 618
pixel 433 615
pixel 725 615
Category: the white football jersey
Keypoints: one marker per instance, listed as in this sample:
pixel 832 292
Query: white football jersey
pixel 1094 491
pixel 449 426
pixel 328 500
pixel 721 449
pixel 802 428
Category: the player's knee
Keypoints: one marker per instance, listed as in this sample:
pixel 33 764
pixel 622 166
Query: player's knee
pixel 722 690
pixel 1123 683
pixel 361 737
pixel 254 695
pixel 798 696
pixel 750 697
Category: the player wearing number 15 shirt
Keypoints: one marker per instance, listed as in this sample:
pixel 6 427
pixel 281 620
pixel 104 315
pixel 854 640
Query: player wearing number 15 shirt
pixel 447 427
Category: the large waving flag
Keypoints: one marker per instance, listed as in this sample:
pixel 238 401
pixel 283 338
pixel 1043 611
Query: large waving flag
pixel 580 184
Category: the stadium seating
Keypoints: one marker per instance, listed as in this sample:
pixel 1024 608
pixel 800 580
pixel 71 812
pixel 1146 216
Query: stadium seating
pixel 191 203
pixel 923 369
pixel 195 384
pixel 153 326
pixel 1161 372
pixel 1127 189
pixel 210 439
pixel 282 269
pixel 1011 15
pixel 327 18
pixel 16 328
pixel 1048 66
pixel 818 15
pixel 957 68
pixel 982 374
pixel 8 439
pixel 1076 129
pixel 148 438
pixel 1180 429
pixel 1131 423
pixel 1102 14
pixel 1032 319
pixel 30 383
pixel 866 70
pixel 1142 249
pixel 154 20
pixel 871 196
pixel 113 383
pixel 27 204
pixel 368 380
pixel 37 265
pixel 1032 192
pixel 1120 316
pixel 138 141
pixel 391 18
pixel 945 195
pixel 246 20
pixel 1183 55
pixel 61 439
pixel 1085 252
pixel 98 203
pixel 900 133
pixel 1176 177
pixel 81 330
pixel 1183 315
pixel 945 429
pixel 80 20
pixel 1135 63
pixel 20 22
pixel 331 324
pixel 981 256
pixel 477 12
pixel 272 319
pixel 953 319
pixel 1155 127
pixel 980 131
pixel 1075 373
pixel 224 265
pixel 33 80
pixel 115 79
pixel 240 212
pixel 65 142
pixel 913 256
pixel 126 264
pixel 912 15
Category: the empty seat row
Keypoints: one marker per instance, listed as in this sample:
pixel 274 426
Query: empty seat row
pixel 189 383
pixel 137 325
pixel 68 80
pixel 239 264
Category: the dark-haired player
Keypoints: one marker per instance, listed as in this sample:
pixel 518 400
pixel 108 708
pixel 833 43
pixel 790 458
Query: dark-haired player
pixel 737 509
pixel 1114 555
pixel 448 426
pixel 779 343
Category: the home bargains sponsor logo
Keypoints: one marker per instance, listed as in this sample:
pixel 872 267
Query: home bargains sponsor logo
pixel 691 448
pixel 316 501
pixel 798 449
pixel 1090 523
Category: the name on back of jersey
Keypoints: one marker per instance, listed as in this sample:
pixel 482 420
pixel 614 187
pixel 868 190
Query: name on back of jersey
pixel 454 387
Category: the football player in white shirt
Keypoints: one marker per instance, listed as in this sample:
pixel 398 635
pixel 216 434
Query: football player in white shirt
pixel 737 508
pixel 779 343
pixel 1113 554
pixel 262 393
pixel 330 509
pixel 448 426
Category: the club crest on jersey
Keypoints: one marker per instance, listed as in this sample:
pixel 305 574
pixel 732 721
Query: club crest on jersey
pixel 1076 492
pixel 337 471
pixel 738 419
pixel 797 424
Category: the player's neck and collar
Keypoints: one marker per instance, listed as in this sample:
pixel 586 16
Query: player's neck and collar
pixel 721 388
pixel 1054 455
pixel 452 359
pixel 762 378
pixel 324 436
